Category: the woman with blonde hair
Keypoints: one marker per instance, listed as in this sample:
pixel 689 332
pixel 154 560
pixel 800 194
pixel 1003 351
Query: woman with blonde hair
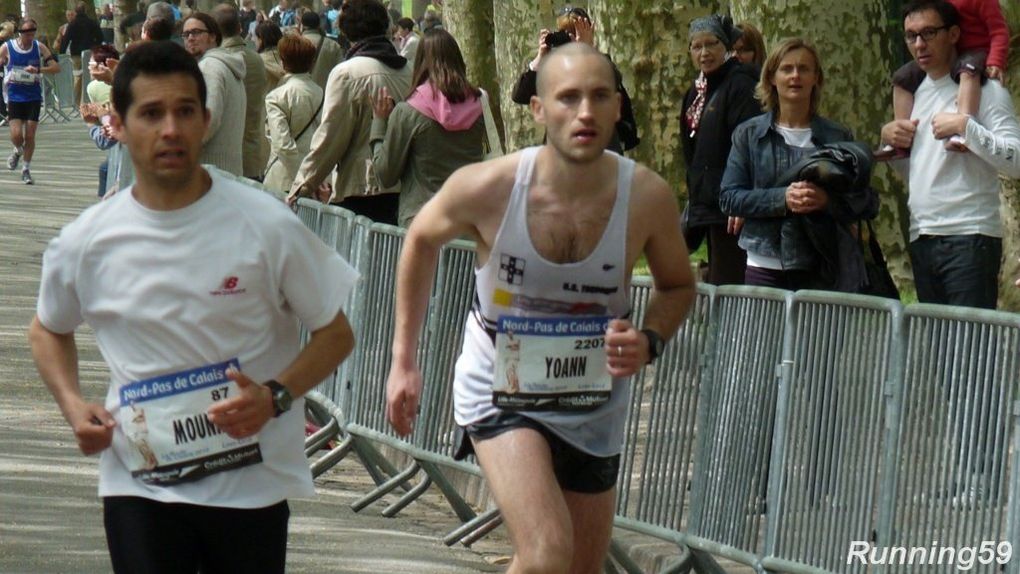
pixel 784 223
pixel 435 131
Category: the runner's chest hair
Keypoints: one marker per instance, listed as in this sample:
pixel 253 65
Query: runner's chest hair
pixel 568 232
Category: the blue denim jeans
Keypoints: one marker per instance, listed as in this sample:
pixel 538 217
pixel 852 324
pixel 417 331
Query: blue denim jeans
pixel 957 269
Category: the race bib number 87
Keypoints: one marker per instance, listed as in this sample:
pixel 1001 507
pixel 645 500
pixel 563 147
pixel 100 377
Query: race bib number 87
pixel 170 438
pixel 551 364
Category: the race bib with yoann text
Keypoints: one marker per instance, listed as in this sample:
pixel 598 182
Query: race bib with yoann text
pixel 551 364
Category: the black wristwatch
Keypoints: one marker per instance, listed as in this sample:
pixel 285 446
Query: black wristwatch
pixel 281 397
pixel 656 344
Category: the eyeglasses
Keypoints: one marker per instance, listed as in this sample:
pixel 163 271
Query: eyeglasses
pixel 928 34
pixel 193 33
pixel 706 47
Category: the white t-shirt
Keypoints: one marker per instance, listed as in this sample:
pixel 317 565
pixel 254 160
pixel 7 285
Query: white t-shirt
pixel 953 193
pixel 225 279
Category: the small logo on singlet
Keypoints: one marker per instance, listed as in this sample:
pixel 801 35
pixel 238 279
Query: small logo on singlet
pixel 229 287
pixel 511 269
pixel 608 266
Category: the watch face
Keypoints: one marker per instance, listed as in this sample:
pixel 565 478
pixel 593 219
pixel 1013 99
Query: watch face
pixel 283 400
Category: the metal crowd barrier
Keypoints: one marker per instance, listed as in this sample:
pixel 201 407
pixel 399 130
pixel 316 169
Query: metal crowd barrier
pixel 959 410
pixel 832 428
pixel 776 431
pixel 58 92
pixel 657 462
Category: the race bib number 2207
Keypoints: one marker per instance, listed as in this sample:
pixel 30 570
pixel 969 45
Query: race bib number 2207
pixel 551 363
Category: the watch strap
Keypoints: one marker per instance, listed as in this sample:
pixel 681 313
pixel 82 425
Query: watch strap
pixel 655 344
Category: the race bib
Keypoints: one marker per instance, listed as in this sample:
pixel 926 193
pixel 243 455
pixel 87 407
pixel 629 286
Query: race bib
pixel 556 364
pixel 171 440
pixel 18 75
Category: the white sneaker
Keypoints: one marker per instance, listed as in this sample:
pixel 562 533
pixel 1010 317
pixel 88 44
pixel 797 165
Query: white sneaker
pixel 13 159
pixel 27 177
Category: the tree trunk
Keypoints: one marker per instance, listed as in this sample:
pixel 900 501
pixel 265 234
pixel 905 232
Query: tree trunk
pixel 121 9
pixel 49 15
pixel 517 23
pixel 648 42
pixel 471 23
pixel 10 8
pixel 1009 295
pixel 859 44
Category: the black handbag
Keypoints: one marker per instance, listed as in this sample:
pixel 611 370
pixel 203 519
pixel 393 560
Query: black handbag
pixel 880 282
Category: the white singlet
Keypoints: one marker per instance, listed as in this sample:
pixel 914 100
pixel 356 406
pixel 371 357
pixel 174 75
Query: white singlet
pixel 534 339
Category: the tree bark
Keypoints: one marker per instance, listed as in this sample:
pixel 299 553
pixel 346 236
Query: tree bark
pixel 859 45
pixel 648 42
pixel 1009 295
pixel 517 23
pixel 471 23
pixel 49 15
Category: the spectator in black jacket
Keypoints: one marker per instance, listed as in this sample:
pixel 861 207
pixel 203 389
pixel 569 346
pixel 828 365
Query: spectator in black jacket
pixel 575 25
pixel 82 33
pixel 721 98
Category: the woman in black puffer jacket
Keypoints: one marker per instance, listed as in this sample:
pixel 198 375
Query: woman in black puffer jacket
pixel 721 98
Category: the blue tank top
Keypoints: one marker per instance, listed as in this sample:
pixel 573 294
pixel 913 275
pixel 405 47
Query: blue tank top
pixel 23 86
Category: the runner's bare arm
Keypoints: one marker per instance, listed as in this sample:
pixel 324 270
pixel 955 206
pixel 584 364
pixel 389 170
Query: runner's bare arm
pixel 50 63
pixel 56 357
pixel 4 54
pixel 463 207
pixel 655 215
pixel 244 415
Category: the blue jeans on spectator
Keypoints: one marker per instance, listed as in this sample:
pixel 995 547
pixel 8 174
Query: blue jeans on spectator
pixel 958 270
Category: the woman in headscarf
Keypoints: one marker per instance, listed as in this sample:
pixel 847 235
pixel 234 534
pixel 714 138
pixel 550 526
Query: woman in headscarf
pixel 721 98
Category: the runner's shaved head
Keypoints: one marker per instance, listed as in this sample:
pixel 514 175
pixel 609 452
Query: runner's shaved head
pixel 553 64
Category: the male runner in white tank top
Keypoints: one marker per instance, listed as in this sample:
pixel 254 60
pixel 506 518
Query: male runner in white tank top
pixel 552 472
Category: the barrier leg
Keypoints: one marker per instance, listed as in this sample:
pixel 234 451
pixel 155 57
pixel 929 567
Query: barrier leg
pixel 704 563
pixel 321 437
pixel 331 458
pixel 409 497
pixel 460 507
pixel 384 488
pixel 377 466
pixel 464 529
pixel 619 557
pixel 481 531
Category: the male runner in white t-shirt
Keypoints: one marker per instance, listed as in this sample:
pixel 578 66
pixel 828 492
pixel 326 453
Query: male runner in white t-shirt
pixel 549 445
pixel 194 285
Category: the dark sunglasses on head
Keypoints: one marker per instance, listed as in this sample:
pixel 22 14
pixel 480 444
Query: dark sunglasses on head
pixel 27 30
pixel 571 10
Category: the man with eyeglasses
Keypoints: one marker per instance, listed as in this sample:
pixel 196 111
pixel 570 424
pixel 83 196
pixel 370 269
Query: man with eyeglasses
pixel 955 227
pixel 224 74
pixel 24 60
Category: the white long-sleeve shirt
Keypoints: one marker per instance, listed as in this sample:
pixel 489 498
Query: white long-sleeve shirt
pixel 953 193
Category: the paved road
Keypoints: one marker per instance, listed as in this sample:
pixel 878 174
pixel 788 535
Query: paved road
pixel 50 517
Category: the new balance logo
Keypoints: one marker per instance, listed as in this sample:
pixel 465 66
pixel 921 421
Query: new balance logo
pixel 229 287
pixel 608 267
